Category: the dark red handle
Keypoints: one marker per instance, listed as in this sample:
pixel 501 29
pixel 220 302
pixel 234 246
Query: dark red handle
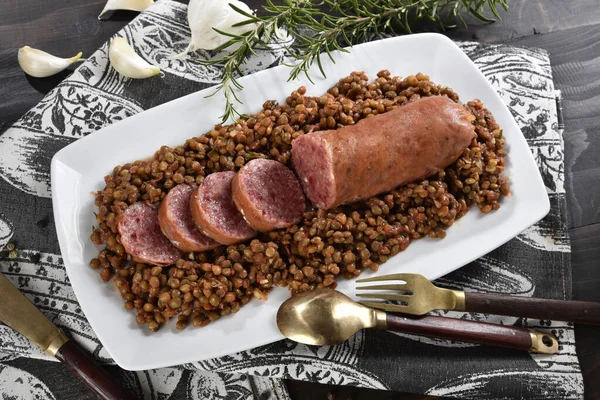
pixel 461 330
pixel 90 373
pixel 584 312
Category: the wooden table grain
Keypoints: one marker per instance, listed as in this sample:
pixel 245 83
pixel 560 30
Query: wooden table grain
pixel 568 30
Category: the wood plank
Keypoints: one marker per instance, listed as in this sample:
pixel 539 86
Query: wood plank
pixel 300 390
pixel 531 17
pixel 585 258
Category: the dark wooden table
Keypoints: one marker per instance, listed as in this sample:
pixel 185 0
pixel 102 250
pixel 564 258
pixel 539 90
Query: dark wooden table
pixel 569 30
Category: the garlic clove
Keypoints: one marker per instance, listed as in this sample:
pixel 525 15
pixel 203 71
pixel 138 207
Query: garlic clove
pixel 125 60
pixel 132 5
pixel 39 64
pixel 204 15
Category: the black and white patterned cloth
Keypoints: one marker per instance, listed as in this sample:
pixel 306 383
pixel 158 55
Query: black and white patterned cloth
pixel 536 263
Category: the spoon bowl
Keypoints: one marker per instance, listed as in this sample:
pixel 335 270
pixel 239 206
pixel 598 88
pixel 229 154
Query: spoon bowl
pixel 325 317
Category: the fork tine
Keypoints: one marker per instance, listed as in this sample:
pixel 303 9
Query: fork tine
pixel 406 277
pixel 395 286
pixel 384 306
pixel 386 296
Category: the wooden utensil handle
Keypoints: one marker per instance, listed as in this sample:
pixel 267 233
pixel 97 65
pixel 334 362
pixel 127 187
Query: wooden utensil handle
pixel 585 312
pixel 90 373
pixel 461 330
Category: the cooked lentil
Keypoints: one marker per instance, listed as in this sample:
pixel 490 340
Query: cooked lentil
pixel 202 287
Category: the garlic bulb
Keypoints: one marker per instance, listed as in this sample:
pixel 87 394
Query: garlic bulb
pixel 125 60
pixel 40 64
pixel 204 15
pixel 132 5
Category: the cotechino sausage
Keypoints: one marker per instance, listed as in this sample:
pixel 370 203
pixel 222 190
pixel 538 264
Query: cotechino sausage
pixel 268 194
pixel 214 212
pixel 380 153
pixel 175 219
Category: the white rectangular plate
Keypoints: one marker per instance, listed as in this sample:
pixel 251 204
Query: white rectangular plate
pixel 78 170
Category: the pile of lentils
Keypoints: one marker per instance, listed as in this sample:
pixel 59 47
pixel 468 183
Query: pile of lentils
pixel 327 244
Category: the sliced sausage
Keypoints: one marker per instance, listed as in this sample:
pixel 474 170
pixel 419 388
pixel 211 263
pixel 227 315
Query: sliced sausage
pixel 380 153
pixel 215 213
pixel 268 195
pixel 177 224
pixel 142 238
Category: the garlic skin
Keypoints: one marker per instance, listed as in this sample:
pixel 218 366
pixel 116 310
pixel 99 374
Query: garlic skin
pixel 131 5
pixel 203 15
pixel 39 64
pixel 125 60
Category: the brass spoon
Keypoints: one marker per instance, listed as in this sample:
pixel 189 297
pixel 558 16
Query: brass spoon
pixel 328 317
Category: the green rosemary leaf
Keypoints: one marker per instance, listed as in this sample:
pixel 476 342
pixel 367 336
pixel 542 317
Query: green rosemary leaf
pixel 460 17
pixel 244 13
pixel 231 35
pixel 328 51
pixel 480 16
pixel 246 22
pixel 494 9
pixel 320 65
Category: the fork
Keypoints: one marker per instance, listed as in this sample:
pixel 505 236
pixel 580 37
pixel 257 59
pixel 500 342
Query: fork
pixel 421 296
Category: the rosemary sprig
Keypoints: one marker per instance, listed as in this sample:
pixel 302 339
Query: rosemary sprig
pixel 322 26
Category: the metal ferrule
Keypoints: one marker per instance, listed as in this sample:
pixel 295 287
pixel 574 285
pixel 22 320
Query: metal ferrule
pixel 56 342
pixel 380 319
pixel 459 300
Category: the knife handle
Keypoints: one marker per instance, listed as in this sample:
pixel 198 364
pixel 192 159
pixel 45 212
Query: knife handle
pixel 584 312
pixel 95 377
pixel 473 332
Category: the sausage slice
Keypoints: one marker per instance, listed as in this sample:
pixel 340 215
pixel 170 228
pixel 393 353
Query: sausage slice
pixel 268 195
pixel 215 213
pixel 176 221
pixel 141 236
pixel 380 153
